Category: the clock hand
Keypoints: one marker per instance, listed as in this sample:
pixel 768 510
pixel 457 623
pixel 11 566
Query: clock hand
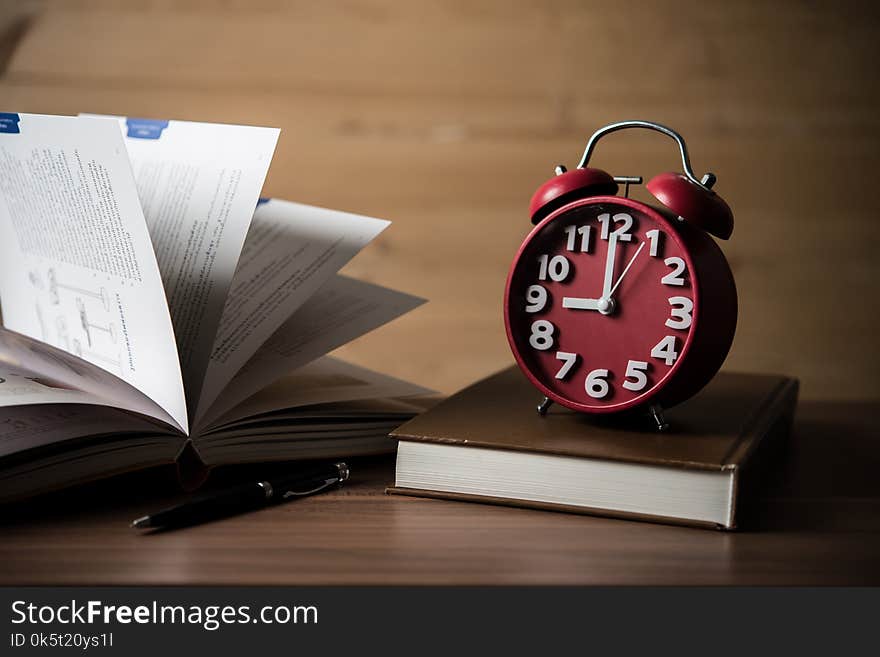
pixel 626 269
pixel 609 267
pixel 577 303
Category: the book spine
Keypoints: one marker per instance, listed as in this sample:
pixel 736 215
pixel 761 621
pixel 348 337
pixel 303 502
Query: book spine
pixel 191 469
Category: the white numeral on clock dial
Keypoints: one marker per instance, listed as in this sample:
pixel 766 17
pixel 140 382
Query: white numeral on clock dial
pixel 675 276
pixel 536 298
pixel 595 384
pixel 635 369
pixel 573 232
pixel 542 335
pixel 665 350
pixel 654 236
pixel 681 316
pixel 568 361
pixel 622 232
pixel 557 267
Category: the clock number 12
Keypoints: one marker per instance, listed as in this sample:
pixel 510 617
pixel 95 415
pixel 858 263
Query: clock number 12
pixel 622 233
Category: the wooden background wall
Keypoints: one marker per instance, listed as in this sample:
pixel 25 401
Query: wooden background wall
pixel 444 115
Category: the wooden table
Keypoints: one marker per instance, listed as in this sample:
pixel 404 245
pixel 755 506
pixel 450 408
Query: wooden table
pixel 819 523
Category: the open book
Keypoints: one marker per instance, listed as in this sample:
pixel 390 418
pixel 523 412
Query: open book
pixel 152 314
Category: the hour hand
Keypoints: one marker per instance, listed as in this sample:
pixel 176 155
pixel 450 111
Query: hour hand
pixel 578 303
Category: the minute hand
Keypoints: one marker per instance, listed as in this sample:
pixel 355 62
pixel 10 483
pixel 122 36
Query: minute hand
pixel 609 266
pixel 626 269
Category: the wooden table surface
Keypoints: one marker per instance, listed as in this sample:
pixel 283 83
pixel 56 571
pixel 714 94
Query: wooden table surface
pixel 818 523
pixel 444 116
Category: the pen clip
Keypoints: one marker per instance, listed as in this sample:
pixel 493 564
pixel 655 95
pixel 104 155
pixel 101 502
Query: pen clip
pixel 327 483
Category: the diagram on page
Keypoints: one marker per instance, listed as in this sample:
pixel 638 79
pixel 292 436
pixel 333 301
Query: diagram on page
pixel 95 333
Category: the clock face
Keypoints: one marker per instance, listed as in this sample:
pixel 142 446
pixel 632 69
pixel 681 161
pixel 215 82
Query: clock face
pixel 601 304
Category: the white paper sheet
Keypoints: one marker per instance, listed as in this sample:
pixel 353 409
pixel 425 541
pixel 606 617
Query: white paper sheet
pixel 291 250
pixel 33 372
pixel 77 268
pixel 21 388
pixel 198 184
pixel 342 310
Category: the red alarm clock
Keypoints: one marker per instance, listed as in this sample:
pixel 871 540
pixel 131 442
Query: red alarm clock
pixel 618 306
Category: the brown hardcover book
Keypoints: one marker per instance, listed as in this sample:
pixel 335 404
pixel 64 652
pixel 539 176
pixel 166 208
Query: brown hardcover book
pixel 487 443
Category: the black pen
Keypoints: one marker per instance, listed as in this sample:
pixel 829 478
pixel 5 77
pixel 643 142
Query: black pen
pixel 246 497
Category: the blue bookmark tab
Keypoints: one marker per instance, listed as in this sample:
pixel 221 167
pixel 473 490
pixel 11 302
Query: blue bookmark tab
pixel 145 128
pixel 9 123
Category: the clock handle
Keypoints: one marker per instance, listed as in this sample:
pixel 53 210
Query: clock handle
pixel 705 182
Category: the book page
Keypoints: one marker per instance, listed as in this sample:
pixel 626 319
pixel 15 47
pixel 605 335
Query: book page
pixel 322 381
pixel 33 372
pixel 198 184
pixel 342 310
pixel 20 387
pixel 77 268
pixel 290 251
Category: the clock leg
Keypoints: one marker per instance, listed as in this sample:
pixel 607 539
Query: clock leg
pixel 544 405
pixel 656 412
